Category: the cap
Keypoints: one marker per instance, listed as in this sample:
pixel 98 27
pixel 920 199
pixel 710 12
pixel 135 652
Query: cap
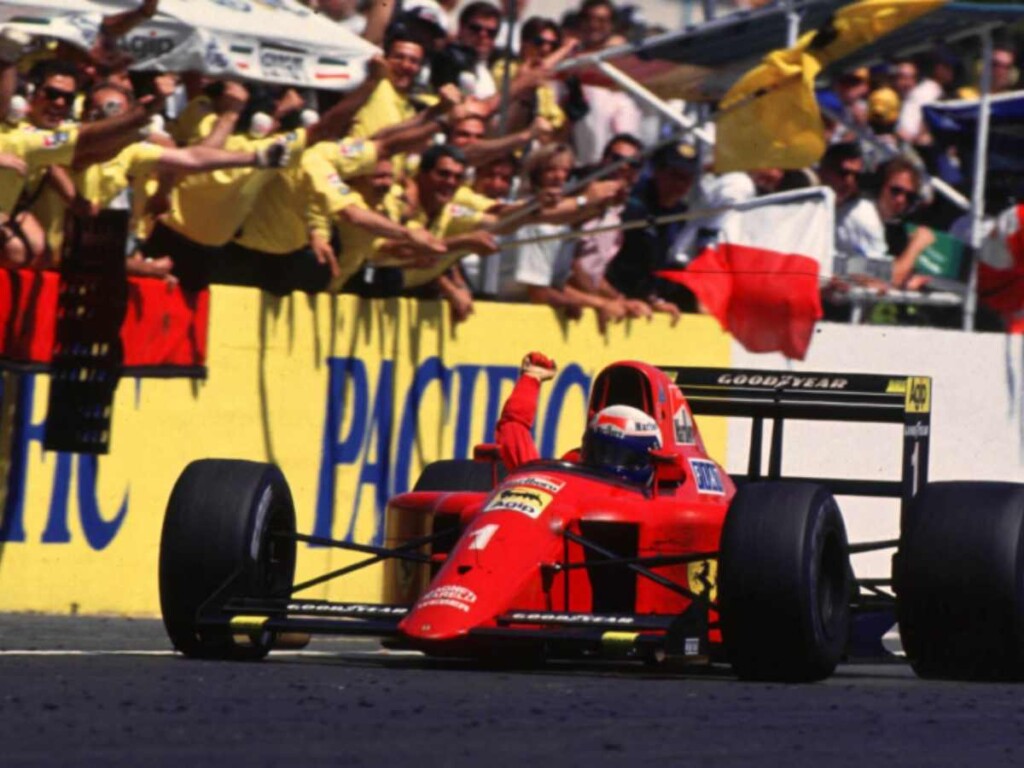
pixel 679 156
pixel 427 18
pixel 883 105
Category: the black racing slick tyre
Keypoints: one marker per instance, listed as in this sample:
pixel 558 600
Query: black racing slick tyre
pixel 218 542
pixel 784 582
pixel 959 578
pixel 458 475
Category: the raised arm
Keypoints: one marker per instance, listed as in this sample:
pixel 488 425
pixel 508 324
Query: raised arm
pixel 513 433
pixel 336 122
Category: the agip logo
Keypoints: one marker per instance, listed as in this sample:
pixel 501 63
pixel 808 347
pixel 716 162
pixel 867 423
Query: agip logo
pixel 919 394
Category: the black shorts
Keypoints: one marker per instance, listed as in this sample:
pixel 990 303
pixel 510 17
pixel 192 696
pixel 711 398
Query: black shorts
pixel 194 263
pixel 279 274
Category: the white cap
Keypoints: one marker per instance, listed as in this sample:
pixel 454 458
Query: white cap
pixel 17 109
pixel 156 125
pixel 261 125
pixel 467 83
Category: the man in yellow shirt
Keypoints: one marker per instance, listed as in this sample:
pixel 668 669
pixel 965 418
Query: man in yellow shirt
pixel 428 202
pixel 106 185
pixel 306 199
pixel 209 209
pixel 392 101
pixel 274 250
pixel 22 240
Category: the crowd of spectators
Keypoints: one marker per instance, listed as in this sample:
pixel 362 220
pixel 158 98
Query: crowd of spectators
pixel 465 167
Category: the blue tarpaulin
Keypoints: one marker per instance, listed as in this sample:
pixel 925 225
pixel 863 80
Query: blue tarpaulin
pixel 955 124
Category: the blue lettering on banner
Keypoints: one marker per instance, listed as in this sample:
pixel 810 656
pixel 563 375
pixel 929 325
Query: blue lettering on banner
pixel 370 436
pixel 571 376
pixel 364 433
pixel 707 476
pixel 98 530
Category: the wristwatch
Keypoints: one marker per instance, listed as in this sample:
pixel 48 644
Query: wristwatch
pixel 581 201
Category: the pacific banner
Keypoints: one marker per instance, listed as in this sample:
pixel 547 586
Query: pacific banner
pixel 350 398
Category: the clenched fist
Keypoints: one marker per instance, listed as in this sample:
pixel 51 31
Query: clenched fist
pixel 538 366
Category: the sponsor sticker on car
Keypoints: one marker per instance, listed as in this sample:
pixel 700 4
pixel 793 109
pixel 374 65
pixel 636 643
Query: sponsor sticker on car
pixel 707 477
pixel 448 596
pixel 525 499
pixel 544 483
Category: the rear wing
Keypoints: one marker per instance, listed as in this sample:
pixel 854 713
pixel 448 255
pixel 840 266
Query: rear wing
pixel 781 395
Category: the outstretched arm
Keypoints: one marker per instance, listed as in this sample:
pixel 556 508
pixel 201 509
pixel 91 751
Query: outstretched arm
pixel 101 140
pixel 196 159
pixel 513 433
pixel 337 121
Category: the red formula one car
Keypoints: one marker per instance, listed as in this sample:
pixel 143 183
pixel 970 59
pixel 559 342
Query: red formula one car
pixel 559 559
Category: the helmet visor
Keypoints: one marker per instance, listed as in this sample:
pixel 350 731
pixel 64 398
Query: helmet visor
pixel 609 452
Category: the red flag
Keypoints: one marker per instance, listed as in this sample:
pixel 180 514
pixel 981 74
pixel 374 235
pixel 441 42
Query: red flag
pixel 762 280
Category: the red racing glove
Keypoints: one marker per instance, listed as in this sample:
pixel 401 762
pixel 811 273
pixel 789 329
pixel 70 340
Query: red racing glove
pixel 538 366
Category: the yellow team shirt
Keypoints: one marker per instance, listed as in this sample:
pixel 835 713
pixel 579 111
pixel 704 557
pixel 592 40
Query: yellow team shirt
pixel 293 202
pixel 188 127
pixel 103 182
pixel 344 159
pixel 468 198
pixel 453 219
pixel 357 243
pixel 44 201
pixel 384 108
pixel 38 149
pixel 210 208
pixel 547 98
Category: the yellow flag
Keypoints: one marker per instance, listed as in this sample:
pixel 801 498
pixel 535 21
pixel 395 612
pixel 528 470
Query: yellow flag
pixel 770 118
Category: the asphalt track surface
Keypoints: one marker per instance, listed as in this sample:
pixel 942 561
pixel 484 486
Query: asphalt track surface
pixel 108 691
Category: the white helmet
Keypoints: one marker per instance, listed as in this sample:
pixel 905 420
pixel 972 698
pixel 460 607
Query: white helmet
pixel 620 439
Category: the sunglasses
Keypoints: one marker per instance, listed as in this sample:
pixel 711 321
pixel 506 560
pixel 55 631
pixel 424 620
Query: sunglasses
pixel 54 94
pixel 631 160
pixel 545 42
pixel 480 29
pixel 449 175
pixel 898 191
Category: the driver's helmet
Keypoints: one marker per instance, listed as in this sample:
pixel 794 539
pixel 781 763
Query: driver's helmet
pixel 619 439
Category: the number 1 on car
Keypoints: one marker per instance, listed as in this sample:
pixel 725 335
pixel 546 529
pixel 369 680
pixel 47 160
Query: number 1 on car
pixel 482 536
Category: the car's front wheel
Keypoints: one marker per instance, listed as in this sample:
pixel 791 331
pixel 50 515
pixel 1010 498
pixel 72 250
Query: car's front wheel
pixel 784 583
pixel 228 532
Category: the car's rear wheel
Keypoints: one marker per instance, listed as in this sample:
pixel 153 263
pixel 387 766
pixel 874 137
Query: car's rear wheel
pixel 784 582
pixel 220 541
pixel 960 581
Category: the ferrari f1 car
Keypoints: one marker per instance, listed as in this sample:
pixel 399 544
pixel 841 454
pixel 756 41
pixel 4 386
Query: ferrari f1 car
pixel 556 559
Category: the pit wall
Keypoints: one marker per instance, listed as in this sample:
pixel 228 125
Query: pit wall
pixel 353 398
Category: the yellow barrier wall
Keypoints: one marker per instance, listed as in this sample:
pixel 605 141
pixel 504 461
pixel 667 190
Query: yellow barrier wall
pixel 350 398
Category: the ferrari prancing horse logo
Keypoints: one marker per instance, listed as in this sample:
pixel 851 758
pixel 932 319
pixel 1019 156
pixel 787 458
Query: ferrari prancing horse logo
pixel 702 576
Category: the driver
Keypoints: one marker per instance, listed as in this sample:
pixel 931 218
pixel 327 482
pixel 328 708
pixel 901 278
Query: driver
pixel 618 439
